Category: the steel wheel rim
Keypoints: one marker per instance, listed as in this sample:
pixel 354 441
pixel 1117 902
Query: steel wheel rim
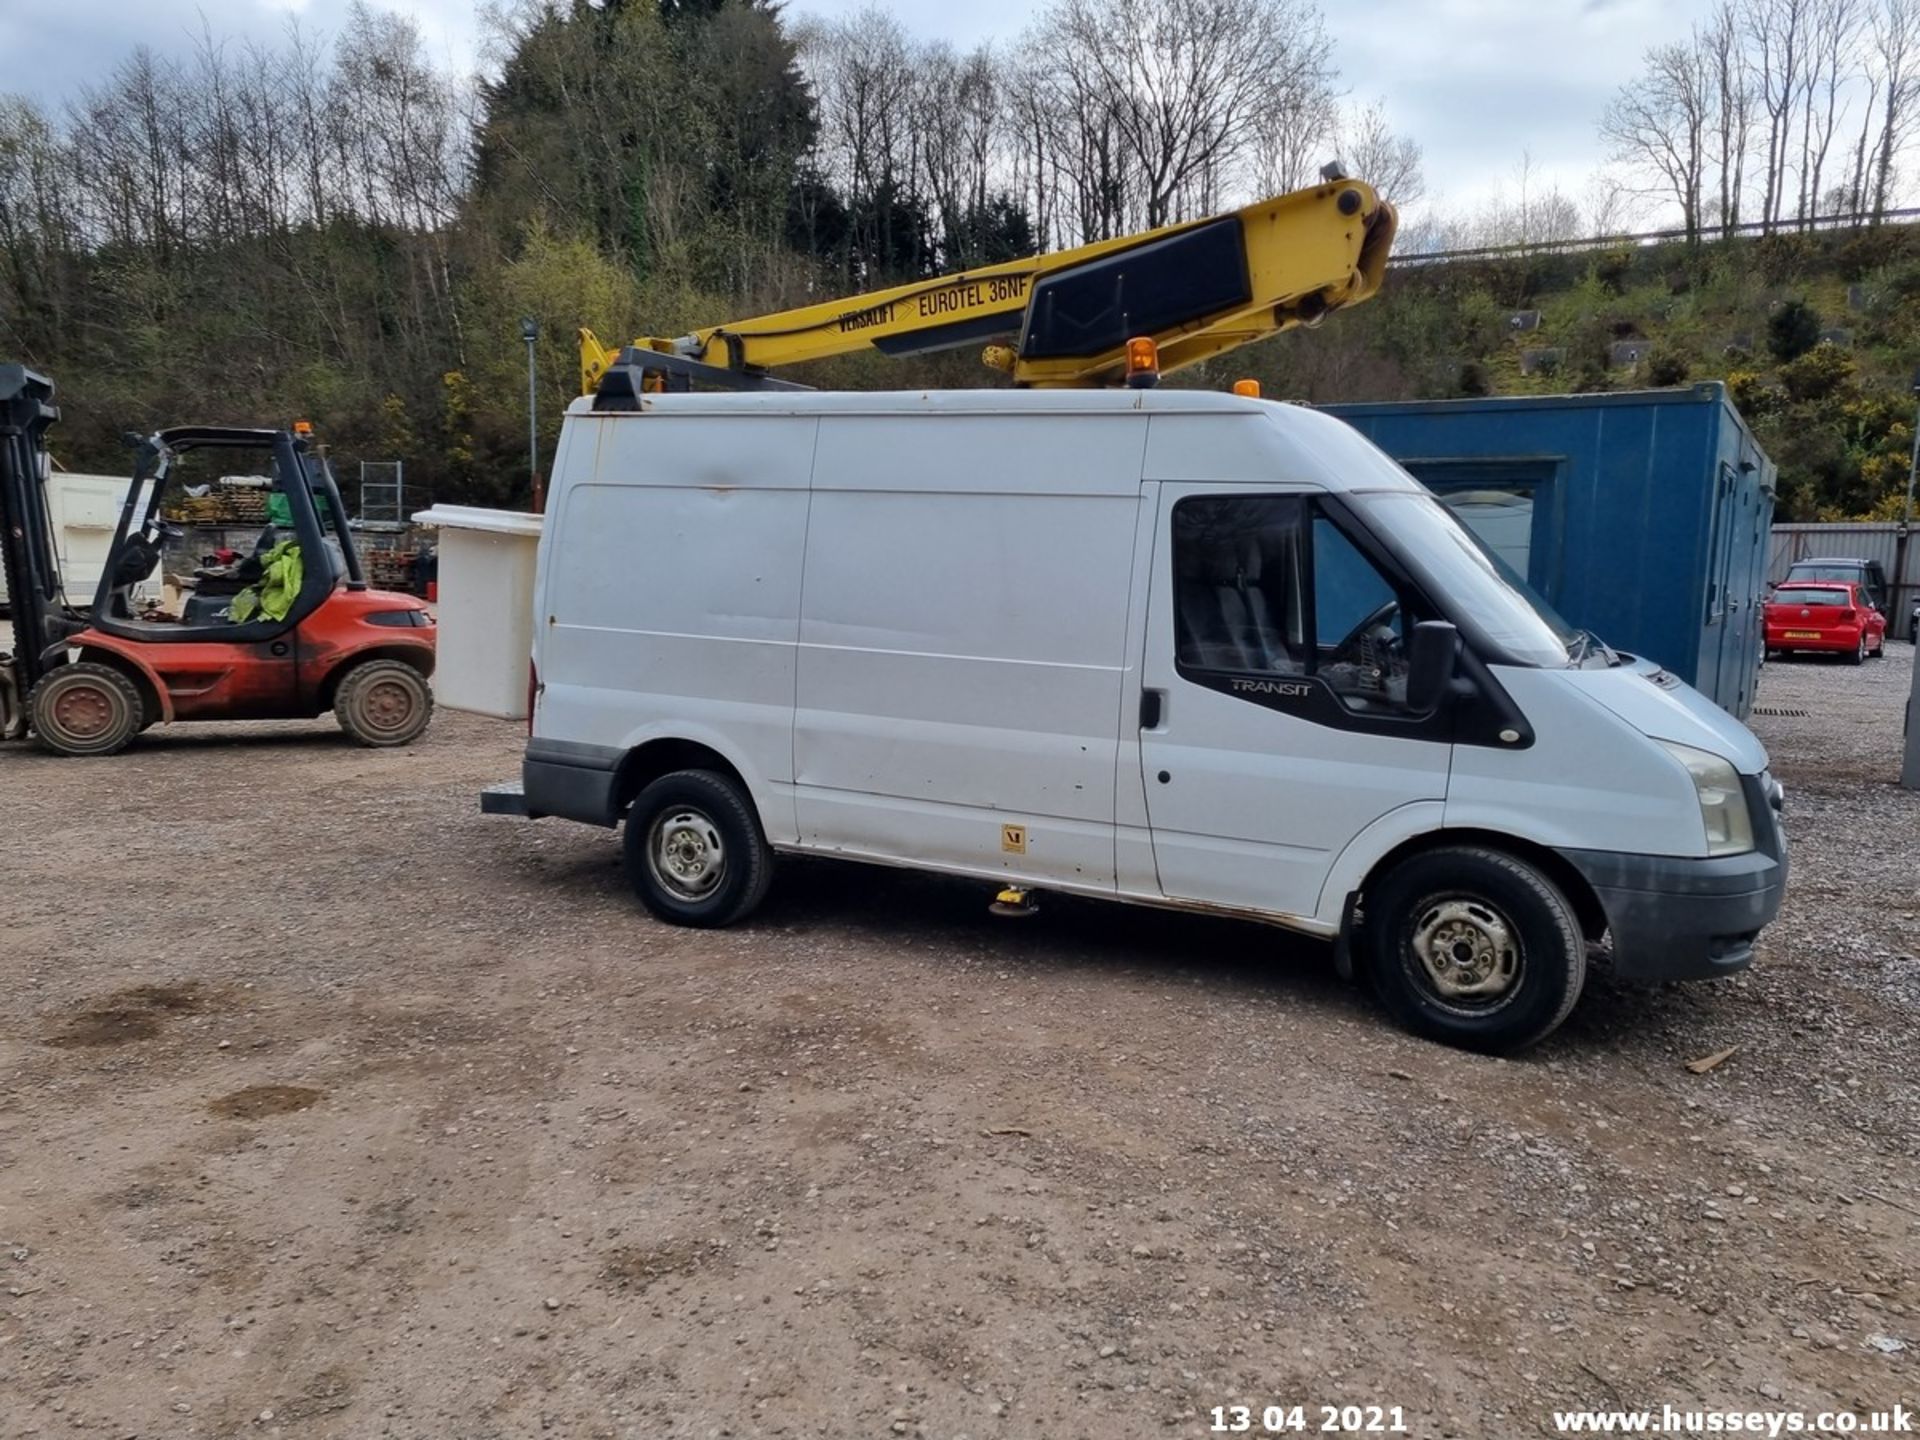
pixel 685 854
pixel 1467 952
pixel 387 705
pixel 85 712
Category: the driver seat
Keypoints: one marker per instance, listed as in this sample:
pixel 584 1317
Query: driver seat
pixel 1262 645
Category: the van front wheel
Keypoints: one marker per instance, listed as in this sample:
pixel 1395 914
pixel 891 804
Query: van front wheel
pixel 1473 947
pixel 695 851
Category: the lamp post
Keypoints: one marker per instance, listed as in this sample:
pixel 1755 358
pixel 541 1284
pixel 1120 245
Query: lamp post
pixel 1910 761
pixel 1903 536
pixel 530 332
pixel 1913 465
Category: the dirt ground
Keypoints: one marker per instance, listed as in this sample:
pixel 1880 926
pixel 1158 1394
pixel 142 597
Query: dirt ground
pixel 334 1108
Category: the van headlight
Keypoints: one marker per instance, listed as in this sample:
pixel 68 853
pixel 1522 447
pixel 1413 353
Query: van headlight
pixel 1723 804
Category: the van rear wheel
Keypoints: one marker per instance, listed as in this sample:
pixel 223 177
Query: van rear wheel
pixel 1473 947
pixel 695 852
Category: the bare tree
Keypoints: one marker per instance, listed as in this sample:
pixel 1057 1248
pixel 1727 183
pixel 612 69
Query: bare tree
pixel 1294 137
pixel 938 122
pixel 36 226
pixel 1611 204
pixel 1184 83
pixel 1542 218
pixel 956 113
pixel 1830 64
pixel 1894 69
pixel 396 119
pixel 1777 40
pixel 1034 163
pixel 1078 148
pixel 978 98
pixel 1388 162
pixel 1731 80
pixel 1658 125
pixel 863 74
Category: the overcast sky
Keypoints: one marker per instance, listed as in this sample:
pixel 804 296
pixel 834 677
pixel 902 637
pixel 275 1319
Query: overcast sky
pixel 1476 82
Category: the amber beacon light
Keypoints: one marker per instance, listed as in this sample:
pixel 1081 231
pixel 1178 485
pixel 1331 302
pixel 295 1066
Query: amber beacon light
pixel 1143 363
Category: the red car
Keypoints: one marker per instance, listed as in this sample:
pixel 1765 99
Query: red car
pixel 1829 615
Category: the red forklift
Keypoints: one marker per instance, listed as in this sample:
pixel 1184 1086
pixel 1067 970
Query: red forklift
pixel 288 632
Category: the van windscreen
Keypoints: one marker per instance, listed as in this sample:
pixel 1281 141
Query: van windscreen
pixel 1464 578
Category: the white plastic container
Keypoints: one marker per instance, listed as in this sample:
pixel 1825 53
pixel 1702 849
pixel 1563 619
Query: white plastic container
pixel 84 510
pixel 485 606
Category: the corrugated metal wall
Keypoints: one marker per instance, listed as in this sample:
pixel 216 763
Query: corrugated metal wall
pixel 1875 541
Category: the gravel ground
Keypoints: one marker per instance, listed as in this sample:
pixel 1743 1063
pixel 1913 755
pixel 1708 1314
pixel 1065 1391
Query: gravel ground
pixel 334 1108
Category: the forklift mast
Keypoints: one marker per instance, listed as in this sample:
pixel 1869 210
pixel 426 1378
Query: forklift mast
pixel 36 604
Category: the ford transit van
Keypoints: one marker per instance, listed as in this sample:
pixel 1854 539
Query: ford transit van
pixel 1169 647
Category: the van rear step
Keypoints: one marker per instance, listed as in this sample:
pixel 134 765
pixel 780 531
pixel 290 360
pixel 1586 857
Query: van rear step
pixel 506 798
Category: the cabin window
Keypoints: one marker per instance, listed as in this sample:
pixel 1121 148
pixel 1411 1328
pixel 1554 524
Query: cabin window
pixel 1270 585
pixel 1239 584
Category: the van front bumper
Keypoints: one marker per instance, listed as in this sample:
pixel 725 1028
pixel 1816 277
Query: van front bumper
pixel 1673 918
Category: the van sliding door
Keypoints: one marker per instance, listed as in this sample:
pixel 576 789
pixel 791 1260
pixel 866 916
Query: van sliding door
pixel 963 640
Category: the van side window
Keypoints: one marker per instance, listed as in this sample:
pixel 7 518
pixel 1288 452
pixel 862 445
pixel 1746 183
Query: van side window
pixel 1360 625
pixel 1270 585
pixel 1239 584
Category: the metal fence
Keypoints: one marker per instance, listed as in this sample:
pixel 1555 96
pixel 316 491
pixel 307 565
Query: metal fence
pixel 383 490
pixel 1644 238
pixel 1875 540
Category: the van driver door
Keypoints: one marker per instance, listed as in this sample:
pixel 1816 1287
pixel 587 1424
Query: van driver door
pixel 1274 724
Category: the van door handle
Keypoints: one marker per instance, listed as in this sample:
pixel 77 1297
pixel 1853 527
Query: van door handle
pixel 1152 707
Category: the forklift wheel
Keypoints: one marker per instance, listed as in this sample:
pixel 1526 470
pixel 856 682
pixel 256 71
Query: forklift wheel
pixel 383 702
pixel 85 709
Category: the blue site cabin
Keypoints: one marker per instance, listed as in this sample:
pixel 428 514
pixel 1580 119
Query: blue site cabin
pixel 1642 516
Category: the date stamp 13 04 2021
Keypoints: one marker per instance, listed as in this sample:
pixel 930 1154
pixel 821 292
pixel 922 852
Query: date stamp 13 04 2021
pixel 1307 1420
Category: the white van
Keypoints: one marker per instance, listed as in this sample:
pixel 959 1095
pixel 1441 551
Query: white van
pixel 1172 647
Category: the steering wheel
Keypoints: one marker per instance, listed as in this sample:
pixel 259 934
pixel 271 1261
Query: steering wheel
pixel 1379 617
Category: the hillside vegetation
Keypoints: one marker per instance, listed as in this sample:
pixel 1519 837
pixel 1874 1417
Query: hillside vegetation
pixel 1836 415
pixel 340 229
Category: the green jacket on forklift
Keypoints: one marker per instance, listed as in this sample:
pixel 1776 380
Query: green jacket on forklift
pixel 281 573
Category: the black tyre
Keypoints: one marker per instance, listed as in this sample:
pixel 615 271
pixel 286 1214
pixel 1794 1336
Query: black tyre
pixel 695 852
pixel 383 702
pixel 1473 947
pixel 1858 654
pixel 1879 651
pixel 85 709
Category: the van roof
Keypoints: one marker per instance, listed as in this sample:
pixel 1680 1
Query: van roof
pixel 1263 438
pixel 944 402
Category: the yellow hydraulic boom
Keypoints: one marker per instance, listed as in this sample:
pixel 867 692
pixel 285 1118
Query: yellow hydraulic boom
pixel 1197 289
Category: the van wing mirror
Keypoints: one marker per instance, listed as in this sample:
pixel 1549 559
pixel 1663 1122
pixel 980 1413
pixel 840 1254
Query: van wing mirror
pixel 1430 663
